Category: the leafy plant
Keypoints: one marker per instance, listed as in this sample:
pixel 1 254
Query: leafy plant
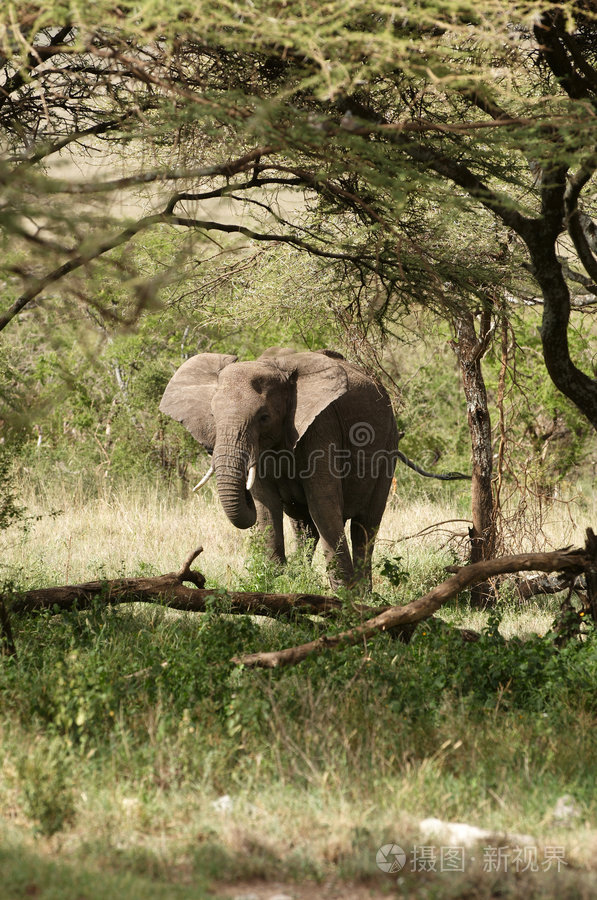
pixel 394 571
pixel 46 785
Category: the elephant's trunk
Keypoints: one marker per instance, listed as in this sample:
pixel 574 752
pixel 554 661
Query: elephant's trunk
pixel 231 461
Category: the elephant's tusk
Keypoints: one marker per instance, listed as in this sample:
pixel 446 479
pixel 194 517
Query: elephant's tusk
pixel 251 478
pixel 205 478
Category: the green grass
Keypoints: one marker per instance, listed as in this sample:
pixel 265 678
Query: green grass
pixel 26 873
pixel 121 727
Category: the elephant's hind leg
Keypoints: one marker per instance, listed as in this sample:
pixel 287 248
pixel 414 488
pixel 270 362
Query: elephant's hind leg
pixel 362 537
pixel 306 534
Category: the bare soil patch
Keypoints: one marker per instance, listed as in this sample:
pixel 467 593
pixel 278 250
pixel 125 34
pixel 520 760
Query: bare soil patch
pixel 278 890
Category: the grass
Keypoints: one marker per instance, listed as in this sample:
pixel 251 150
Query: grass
pixel 121 729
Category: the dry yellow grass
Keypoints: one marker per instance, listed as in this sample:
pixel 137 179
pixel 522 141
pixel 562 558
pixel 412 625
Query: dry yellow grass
pixel 72 538
pixel 116 534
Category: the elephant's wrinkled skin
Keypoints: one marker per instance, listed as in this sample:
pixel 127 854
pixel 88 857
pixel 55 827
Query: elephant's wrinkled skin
pixel 320 432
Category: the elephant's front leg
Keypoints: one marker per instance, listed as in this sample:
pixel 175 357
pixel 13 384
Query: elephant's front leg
pixel 337 556
pixel 325 508
pixel 270 520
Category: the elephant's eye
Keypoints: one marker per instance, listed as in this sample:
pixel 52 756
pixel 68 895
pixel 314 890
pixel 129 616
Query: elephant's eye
pixel 264 418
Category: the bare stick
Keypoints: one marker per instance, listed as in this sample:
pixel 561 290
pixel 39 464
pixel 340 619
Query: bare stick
pixel 186 574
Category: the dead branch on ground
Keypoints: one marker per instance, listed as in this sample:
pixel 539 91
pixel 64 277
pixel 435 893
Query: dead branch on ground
pixel 171 591
pixel 542 585
pixel 570 562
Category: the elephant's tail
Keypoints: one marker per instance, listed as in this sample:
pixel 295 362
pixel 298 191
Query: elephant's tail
pixel 449 476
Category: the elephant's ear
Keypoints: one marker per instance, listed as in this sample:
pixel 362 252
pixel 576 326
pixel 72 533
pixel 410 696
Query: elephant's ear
pixel 187 397
pixel 319 381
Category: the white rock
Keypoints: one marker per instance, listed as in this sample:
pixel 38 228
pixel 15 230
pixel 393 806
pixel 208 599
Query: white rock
pixel 460 834
pixel 566 810
pixel 224 804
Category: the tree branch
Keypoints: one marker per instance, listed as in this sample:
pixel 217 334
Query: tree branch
pixel 550 33
pixel 47 149
pixel 482 102
pixel 130 231
pixel 570 561
pixel 357 258
pixel 578 278
pixel 226 170
pixel 580 388
pixel 37 56
pixel 73 264
pixel 573 216
pixel 580 60
pixel 463 177
pixel 165 218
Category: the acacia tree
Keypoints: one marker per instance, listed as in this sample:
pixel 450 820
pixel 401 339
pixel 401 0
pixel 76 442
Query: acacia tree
pixel 445 154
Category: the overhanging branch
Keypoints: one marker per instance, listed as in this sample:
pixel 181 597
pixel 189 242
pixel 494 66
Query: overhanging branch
pixel 36 57
pixel 47 148
pixel 165 218
pixel 226 170
pixel 560 54
pixel 463 177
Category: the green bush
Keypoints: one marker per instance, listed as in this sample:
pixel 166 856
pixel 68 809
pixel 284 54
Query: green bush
pixel 46 785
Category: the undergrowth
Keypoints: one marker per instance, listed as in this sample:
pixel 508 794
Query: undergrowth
pixel 114 716
pixel 91 682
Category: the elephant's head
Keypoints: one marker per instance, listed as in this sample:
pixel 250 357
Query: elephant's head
pixel 239 409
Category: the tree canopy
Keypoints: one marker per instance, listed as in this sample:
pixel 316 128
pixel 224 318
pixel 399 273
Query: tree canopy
pixel 441 154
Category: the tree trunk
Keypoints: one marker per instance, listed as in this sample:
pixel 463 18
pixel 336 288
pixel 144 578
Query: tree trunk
pixel 7 644
pixel 580 388
pixel 470 349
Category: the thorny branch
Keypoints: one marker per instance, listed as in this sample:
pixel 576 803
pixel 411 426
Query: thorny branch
pixel 358 258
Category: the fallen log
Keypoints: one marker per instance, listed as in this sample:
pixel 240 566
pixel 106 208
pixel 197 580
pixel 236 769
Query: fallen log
pixel 170 590
pixel 570 562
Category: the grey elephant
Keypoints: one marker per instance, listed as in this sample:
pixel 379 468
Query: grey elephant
pixel 302 433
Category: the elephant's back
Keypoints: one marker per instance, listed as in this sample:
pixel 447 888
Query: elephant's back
pixel 366 402
pixel 361 381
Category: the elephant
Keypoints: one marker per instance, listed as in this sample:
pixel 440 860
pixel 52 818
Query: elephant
pixel 304 433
